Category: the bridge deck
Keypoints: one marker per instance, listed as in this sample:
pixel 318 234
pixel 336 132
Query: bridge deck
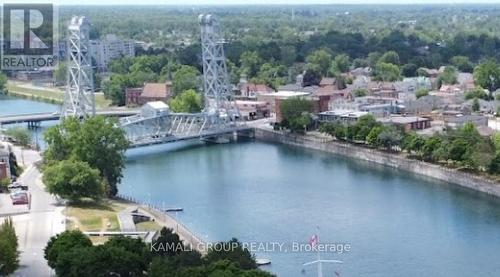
pixel 39 117
pixel 167 139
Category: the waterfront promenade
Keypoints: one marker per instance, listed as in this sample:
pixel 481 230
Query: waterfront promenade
pixel 166 220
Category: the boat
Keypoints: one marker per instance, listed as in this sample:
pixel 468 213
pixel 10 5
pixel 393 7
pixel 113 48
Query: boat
pixel 261 261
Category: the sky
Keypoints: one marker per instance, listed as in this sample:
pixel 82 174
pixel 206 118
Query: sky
pixel 253 2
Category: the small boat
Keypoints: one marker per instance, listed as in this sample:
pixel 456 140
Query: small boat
pixel 260 261
pixel 174 209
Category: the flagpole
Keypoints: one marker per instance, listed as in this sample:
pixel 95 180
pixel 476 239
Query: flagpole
pixel 315 242
pixel 320 267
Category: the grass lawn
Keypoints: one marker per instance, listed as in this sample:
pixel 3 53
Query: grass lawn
pixel 91 216
pixel 49 94
pixel 148 226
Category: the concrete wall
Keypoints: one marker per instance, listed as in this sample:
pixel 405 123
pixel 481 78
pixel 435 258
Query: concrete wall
pixel 463 179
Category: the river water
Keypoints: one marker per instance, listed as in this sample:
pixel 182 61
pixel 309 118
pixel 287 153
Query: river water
pixel 395 223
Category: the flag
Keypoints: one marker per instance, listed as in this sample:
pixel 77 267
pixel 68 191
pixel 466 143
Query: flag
pixel 313 241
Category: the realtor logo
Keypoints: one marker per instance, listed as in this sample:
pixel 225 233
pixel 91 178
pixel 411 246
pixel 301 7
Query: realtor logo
pixel 27 36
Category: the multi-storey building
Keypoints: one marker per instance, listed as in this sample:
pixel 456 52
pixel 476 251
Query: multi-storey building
pixel 109 48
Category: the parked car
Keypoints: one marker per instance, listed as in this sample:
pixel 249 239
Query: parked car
pixel 20 198
pixel 17 186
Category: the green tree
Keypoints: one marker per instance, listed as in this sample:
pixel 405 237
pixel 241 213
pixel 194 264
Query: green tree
pixel 487 75
pixel 167 244
pixel 250 63
pixel 73 180
pixel 475 105
pixel 100 260
pixel 360 92
pixel 363 126
pixel 390 137
pixel 61 73
pixel 373 136
pixel 62 243
pixel 476 93
pixel 319 61
pixel 413 142
pixel 340 64
pixel 421 92
pixel 463 63
pixel 391 57
pixel 21 135
pixel 232 251
pixel 296 113
pixel 185 78
pixel 387 72
pixel 409 70
pixel 3 81
pixel 430 146
pixel 448 76
pixel 458 149
pixel 271 75
pixel 96 141
pixel 187 102
pixel 9 254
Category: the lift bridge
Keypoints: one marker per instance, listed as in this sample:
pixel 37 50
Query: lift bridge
pixel 155 123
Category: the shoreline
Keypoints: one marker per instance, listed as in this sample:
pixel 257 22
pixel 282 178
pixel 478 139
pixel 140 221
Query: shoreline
pixel 453 176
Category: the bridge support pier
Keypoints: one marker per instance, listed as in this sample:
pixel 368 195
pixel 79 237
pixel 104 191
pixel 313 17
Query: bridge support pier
pixel 34 124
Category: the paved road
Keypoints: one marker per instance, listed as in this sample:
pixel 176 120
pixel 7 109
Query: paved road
pixel 35 228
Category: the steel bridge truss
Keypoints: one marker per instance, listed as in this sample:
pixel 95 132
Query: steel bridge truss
pixel 220 113
pixel 142 131
pixel 79 97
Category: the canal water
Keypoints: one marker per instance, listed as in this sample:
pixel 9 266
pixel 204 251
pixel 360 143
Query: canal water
pixel 272 196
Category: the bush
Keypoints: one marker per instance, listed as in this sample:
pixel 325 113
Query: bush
pixel 21 135
pixel 9 255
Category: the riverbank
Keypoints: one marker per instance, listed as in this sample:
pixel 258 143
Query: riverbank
pixel 49 95
pixel 463 179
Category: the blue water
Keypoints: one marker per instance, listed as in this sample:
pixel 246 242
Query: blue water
pixel 12 106
pixel 397 224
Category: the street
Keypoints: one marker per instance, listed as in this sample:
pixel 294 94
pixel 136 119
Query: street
pixel 44 219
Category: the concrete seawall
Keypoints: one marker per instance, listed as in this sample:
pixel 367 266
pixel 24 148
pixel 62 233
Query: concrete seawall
pixel 453 176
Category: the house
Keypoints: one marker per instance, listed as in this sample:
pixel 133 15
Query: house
pixel 361 71
pixel 459 120
pixel 154 109
pixel 4 161
pixel 132 96
pixel 451 89
pixel 149 93
pixel 253 109
pixel 156 92
pixel 383 89
pixel 270 98
pixel 466 81
pixel 408 122
pixel 340 115
pixel 251 90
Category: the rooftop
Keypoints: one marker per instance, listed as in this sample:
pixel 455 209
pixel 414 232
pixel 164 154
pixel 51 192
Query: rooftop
pixel 286 93
pixel 156 90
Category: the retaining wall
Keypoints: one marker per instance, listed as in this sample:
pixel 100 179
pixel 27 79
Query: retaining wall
pixel 467 180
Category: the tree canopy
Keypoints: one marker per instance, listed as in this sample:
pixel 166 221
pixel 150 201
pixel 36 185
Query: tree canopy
pixel 95 140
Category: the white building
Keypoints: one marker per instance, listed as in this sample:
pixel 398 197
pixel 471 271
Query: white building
pixel 109 48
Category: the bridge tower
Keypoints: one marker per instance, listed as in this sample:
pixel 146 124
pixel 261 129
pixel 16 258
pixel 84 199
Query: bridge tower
pixel 219 103
pixel 79 98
